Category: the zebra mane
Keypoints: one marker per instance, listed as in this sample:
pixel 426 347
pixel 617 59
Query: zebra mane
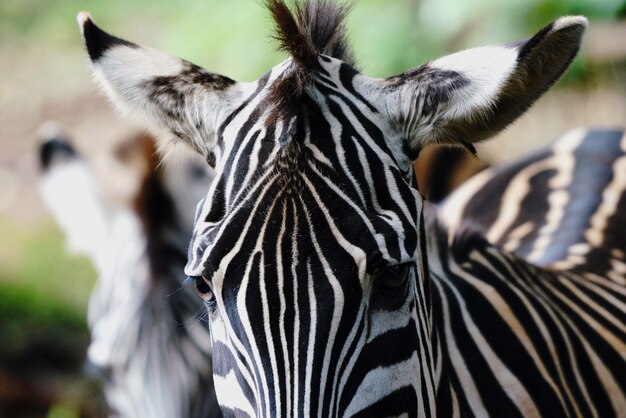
pixel 308 29
pixel 313 27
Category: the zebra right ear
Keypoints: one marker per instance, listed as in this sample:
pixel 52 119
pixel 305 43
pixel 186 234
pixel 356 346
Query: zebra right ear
pixel 469 96
pixel 167 92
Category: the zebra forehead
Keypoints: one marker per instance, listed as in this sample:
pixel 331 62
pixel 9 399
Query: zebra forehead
pixel 264 112
pixel 305 216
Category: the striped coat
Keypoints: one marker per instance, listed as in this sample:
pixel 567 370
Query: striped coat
pixel 149 342
pixel 332 288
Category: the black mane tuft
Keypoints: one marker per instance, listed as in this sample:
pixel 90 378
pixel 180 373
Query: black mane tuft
pixel 313 27
pixel 308 29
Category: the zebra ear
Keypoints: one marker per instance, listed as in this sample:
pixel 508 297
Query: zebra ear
pixel 471 95
pixel 167 92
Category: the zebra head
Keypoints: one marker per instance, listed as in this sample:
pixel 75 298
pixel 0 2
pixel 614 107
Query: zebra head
pixel 309 248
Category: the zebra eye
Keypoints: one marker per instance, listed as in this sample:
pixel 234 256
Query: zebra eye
pixel 390 288
pixel 393 276
pixel 204 289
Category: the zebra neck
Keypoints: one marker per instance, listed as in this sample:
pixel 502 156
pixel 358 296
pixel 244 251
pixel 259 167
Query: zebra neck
pixel 435 387
pixel 440 256
pixel 143 326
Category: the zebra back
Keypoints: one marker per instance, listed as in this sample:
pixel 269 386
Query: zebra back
pixel 562 207
pixel 526 263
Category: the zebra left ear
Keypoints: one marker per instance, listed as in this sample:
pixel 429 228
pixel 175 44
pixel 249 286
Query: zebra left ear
pixel 469 96
pixel 168 92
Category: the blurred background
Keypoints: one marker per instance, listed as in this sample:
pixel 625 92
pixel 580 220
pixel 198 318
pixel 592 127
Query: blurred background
pixel 44 75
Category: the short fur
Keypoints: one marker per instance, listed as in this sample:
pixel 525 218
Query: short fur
pixel 142 321
pixel 309 216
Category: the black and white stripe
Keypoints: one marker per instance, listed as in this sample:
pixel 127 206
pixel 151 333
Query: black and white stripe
pixel 562 207
pixel 310 249
pixel 285 260
pixel 546 338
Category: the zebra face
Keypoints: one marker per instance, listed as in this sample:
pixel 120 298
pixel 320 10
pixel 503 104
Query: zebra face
pixel 309 247
pixel 305 251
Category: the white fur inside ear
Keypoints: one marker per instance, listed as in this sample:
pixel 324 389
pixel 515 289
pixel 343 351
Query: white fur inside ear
pixel 126 68
pixel 122 73
pixel 487 69
pixel 130 78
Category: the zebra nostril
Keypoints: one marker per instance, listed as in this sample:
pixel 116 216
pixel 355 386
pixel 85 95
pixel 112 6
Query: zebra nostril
pixel 54 149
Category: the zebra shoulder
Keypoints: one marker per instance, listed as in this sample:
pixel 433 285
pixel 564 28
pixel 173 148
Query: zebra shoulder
pixel 563 207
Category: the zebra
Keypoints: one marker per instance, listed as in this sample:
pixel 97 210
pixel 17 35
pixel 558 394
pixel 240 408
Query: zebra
pixel 147 342
pixel 577 182
pixel 535 268
pixel 333 289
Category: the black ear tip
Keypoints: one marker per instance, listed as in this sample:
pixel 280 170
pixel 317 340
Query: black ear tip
pixel 97 41
pixel 53 149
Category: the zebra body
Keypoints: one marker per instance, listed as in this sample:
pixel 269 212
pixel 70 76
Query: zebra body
pixel 518 340
pixel 576 184
pixel 329 285
pixel 547 336
pixel 147 343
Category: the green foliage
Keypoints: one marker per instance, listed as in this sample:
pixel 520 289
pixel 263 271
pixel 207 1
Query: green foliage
pixel 542 10
pixel 234 37
pixel 63 411
pixel 38 280
pixel 43 297
pixel 200 31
